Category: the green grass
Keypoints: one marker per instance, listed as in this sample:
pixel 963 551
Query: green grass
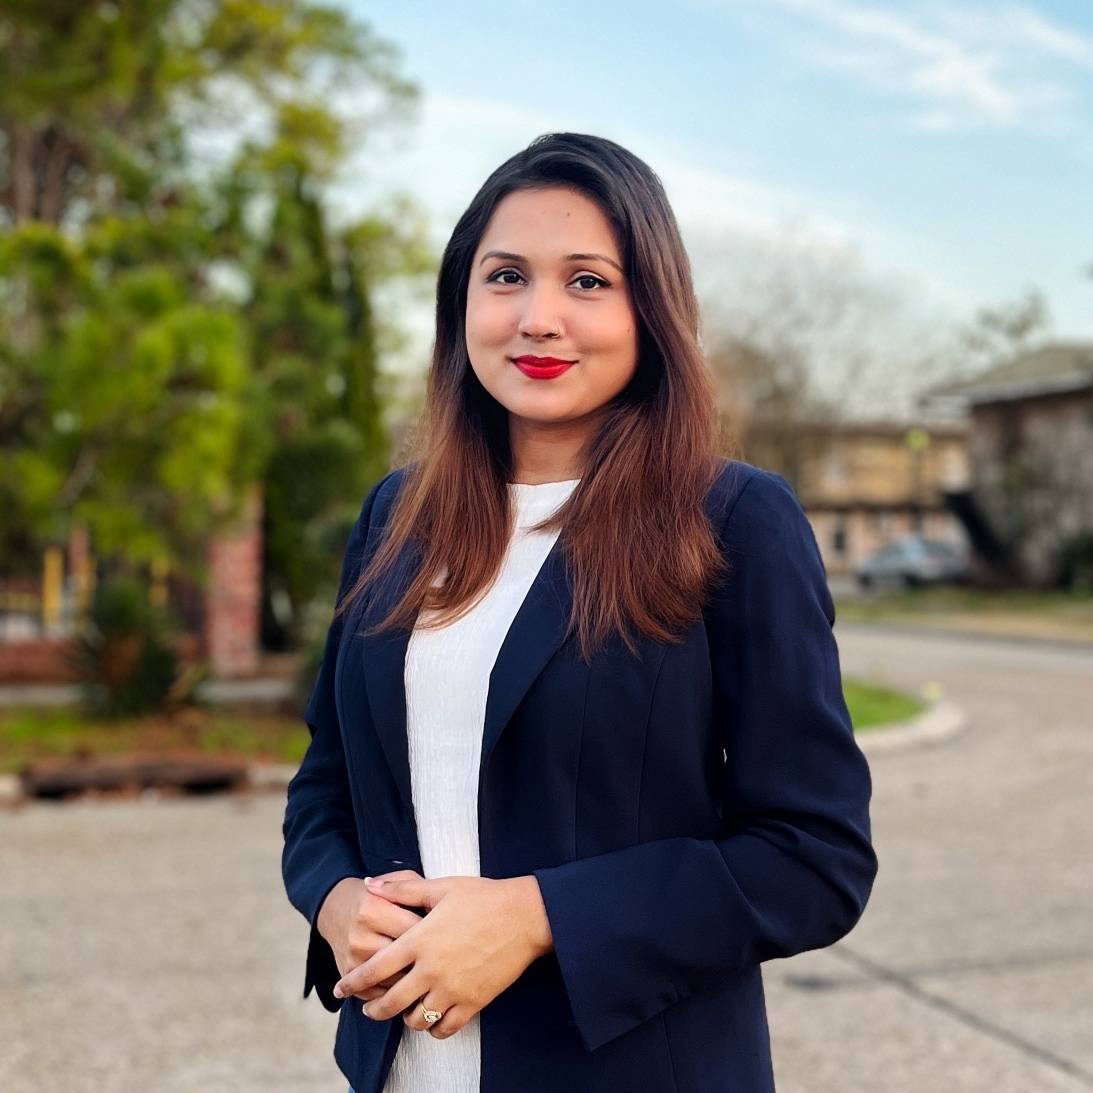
pixel 29 734
pixel 282 741
pixel 1076 607
pixel 871 705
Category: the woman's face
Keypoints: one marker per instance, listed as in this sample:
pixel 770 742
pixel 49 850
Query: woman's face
pixel 536 288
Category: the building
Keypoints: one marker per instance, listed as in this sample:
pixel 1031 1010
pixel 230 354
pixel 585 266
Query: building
pixel 863 484
pixel 1030 446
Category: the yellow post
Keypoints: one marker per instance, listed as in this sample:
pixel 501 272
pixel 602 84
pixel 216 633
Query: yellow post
pixel 52 586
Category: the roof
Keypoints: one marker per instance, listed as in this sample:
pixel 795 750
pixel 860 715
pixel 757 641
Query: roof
pixel 1053 368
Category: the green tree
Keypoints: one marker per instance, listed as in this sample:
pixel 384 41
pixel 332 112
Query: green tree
pixel 161 345
pixel 95 98
pixel 128 395
pixel 316 349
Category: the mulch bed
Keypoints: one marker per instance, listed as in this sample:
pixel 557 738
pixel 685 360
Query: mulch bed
pixel 131 774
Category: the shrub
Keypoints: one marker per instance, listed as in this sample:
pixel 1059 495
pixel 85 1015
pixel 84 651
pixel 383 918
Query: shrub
pixel 1075 566
pixel 124 656
pixel 308 674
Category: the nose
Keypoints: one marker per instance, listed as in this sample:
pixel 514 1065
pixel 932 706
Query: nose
pixel 542 316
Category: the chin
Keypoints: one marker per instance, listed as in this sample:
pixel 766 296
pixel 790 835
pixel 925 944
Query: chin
pixel 541 414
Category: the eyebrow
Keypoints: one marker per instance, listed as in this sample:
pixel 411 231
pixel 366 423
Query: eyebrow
pixel 567 258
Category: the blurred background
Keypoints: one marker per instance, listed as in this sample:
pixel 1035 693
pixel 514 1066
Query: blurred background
pixel 220 226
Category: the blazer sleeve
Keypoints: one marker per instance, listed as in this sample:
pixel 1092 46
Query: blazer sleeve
pixel 321 845
pixel 639 928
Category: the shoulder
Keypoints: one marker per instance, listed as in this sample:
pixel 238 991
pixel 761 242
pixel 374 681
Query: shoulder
pixel 743 486
pixel 388 487
pixel 756 509
pixel 768 538
pixel 377 502
pixel 373 515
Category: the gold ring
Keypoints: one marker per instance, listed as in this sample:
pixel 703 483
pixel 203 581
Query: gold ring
pixel 431 1015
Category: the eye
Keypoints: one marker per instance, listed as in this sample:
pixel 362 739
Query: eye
pixel 593 277
pixel 494 278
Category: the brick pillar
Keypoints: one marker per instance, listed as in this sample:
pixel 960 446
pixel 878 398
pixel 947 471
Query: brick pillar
pixel 233 595
pixel 81 573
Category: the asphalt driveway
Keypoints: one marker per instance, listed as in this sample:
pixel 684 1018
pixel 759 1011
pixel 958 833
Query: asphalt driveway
pixel 148 946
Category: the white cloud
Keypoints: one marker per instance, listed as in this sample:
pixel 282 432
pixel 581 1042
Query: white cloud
pixel 444 170
pixel 1019 27
pixel 987 67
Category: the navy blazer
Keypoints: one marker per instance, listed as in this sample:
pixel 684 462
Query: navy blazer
pixel 689 812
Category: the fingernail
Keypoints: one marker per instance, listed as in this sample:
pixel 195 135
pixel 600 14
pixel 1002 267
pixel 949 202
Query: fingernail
pixel 368 880
pixel 375 882
pixel 338 992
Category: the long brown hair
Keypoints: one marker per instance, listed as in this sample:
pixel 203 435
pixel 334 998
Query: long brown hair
pixel 638 548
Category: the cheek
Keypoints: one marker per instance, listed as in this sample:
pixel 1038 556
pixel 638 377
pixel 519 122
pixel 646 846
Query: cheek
pixel 612 331
pixel 488 320
pixel 618 361
pixel 614 340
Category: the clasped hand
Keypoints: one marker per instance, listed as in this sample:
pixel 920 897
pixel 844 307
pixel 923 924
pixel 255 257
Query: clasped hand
pixel 476 939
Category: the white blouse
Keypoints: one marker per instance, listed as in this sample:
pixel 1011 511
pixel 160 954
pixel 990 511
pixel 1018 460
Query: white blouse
pixel 447 677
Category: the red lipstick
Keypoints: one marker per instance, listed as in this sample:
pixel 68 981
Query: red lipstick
pixel 542 368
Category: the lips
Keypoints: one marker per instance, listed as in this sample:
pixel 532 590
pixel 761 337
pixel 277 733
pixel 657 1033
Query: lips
pixel 542 367
pixel 541 362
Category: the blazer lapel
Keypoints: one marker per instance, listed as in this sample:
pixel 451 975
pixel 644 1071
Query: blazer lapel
pixel 536 632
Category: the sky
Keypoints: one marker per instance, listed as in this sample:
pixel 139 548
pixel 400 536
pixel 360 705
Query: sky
pixel 946 148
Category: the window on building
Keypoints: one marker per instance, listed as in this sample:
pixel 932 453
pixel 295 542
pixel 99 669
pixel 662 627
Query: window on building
pixel 838 536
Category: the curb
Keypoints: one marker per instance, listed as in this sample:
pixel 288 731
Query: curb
pixel 270 776
pixel 11 789
pixel 935 725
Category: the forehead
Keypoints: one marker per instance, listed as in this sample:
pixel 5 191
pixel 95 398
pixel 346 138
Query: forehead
pixel 549 222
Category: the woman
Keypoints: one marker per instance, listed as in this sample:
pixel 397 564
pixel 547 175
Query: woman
pixel 580 709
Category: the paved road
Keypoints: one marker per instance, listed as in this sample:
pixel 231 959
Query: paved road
pixel 146 947
pixel 972 969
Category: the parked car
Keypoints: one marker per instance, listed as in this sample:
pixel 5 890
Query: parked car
pixel 912 560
